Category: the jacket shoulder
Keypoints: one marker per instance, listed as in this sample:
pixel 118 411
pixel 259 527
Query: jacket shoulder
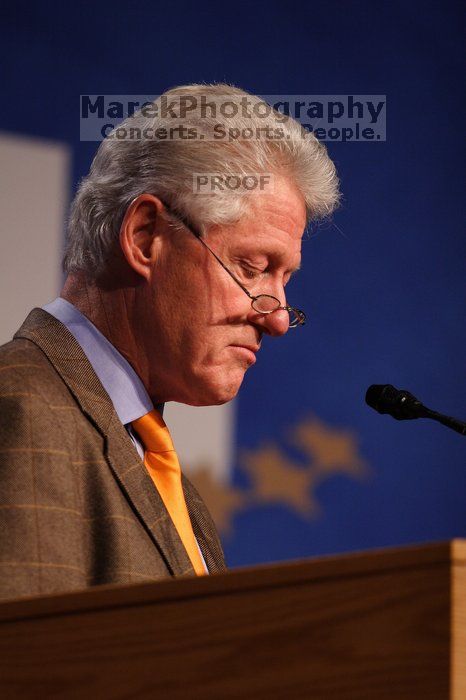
pixel 23 366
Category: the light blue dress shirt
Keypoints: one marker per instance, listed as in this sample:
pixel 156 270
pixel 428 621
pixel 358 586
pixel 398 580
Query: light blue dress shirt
pixel 127 392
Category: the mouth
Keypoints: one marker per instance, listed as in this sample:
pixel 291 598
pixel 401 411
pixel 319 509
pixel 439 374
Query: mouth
pixel 247 351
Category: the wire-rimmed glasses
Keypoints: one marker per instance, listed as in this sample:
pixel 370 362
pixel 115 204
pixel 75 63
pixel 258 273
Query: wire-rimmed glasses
pixel 262 303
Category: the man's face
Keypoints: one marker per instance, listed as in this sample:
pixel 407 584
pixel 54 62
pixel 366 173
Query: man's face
pixel 198 329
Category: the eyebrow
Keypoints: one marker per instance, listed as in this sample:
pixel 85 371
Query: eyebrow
pixel 292 271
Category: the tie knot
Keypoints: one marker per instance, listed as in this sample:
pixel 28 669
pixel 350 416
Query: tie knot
pixel 153 432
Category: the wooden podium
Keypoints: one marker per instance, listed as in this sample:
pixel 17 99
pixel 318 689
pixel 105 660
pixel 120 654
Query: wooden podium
pixel 383 624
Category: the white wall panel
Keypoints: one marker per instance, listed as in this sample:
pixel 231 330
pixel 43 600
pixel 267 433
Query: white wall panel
pixel 34 193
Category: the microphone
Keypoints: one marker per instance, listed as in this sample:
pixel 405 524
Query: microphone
pixel 402 405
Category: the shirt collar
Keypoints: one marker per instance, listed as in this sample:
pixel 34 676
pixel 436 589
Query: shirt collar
pixel 127 392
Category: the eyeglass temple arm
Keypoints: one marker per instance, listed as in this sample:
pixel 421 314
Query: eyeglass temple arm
pixel 223 265
pixel 287 308
pixel 197 234
pixel 301 315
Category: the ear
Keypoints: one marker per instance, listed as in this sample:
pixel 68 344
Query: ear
pixel 139 233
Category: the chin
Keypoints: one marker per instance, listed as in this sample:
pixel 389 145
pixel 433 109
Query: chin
pixel 214 397
pixel 216 393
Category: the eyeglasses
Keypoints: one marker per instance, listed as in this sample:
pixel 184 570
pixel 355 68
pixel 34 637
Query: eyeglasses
pixel 263 303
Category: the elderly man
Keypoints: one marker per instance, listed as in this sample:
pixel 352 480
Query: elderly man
pixel 168 294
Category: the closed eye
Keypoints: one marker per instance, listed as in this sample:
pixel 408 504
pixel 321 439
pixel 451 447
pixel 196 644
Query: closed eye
pixel 254 273
pixel 251 273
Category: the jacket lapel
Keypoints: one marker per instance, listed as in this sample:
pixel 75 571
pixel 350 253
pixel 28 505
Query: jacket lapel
pixel 71 363
pixel 204 529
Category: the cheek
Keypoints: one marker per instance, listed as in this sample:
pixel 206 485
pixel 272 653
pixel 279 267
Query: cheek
pixel 217 308
pixel 201 312
pixel 178 299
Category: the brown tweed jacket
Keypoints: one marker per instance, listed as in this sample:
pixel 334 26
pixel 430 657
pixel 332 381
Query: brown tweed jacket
pixel 77 507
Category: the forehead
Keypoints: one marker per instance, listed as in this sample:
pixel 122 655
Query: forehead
pixel 283 207
pixel 275 223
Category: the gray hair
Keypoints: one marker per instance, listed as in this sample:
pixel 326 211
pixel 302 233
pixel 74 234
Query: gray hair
pixel 129 163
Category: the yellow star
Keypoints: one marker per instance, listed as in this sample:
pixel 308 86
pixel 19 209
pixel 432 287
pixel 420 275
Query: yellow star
pixel 276 479
pixel 330 450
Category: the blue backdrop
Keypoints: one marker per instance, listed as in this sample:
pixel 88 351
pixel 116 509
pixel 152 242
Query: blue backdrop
pixel 384 285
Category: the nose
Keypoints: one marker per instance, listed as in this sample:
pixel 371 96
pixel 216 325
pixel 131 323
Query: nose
pixel 274 324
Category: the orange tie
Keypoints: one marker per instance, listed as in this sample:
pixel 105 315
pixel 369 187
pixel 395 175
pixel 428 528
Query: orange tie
pixel 164 469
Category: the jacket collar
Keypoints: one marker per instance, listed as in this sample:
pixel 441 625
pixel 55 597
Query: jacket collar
pixel 69 360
